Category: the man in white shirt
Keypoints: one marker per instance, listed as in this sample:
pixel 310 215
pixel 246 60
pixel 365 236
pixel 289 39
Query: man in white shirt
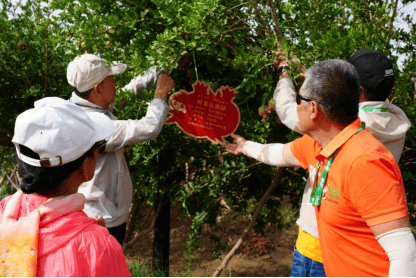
pixel 110 192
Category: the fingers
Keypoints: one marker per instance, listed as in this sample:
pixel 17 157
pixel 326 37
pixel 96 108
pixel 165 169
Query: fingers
pixel 101 220
pixel 239 140
pixel 236 137
pixel 281 59
pixel 166 83
pixel 302 68
pixel 232 148
pixel 12 208
pixel 280 54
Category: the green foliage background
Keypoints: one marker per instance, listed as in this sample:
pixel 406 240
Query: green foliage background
pixel 231 43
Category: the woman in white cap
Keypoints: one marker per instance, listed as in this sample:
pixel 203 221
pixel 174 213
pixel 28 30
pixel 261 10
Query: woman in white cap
pixel 57 146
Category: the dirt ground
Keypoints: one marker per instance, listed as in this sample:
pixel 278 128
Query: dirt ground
pixel 276 262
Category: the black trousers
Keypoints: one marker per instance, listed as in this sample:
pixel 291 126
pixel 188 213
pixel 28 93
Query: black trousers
pixel 119 232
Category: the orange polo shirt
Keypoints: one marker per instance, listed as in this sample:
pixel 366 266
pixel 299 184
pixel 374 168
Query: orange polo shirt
pixel 364 187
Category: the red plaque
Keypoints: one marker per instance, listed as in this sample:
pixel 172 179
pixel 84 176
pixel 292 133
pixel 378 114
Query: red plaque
pixel 203 113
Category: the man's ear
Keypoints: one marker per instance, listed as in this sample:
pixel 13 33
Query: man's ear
pixel 96 88
pixel 314 110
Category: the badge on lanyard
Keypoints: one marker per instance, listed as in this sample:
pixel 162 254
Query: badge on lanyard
pixel 316 194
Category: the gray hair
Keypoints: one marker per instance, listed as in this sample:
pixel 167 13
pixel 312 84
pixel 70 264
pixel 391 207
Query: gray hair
pixel 336 83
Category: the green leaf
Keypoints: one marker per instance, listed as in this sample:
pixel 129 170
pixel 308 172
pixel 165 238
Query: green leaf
pixel 143 13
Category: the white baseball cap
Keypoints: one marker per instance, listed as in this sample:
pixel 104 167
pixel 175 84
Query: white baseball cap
pixel 58 131
pixel 88 70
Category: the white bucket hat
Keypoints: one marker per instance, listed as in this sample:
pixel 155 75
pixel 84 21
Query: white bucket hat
pixel 88 70
pixel 58 131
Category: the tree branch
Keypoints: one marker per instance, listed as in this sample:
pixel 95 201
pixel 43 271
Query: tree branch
pixel 260 17
pixel 2 179
pixel 132 217
pixel 143 233
pixel 391 26
pixel 12 183
pixel 238 6
pixel 276 23
pixel 226 45
pixel 276 179
pixel 125 23
pixel 131 3
pixel 414 100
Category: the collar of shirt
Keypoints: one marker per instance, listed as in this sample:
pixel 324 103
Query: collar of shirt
pixel 83 102
pixel 340 139
pixel 375 104
pixel 92 106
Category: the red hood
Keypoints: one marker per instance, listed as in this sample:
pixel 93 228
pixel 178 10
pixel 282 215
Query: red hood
pixel 57 232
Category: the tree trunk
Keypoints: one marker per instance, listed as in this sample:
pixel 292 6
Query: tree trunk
pixel 161 239
pixel 277 178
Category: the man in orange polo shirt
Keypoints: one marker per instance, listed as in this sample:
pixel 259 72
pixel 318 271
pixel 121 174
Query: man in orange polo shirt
pixel 358 191
pixel 385 121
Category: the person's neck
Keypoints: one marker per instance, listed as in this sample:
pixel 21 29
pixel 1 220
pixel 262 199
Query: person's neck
pixel 93 97
pixel 323 136
pixel 67 187
pixel 363 98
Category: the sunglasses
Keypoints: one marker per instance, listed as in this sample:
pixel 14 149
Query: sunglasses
pixel 299 98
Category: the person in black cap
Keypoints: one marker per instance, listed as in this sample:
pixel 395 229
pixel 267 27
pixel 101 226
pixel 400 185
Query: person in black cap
pixel 385 121
pixel 376 74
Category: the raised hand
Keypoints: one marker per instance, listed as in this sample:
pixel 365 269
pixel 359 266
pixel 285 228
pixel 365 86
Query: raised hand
pixel 237 147
pixel 164 85
pixel 281 60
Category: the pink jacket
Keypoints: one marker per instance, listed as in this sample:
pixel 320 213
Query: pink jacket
pixel 74 245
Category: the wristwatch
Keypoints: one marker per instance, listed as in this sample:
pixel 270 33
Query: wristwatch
pixel 281 70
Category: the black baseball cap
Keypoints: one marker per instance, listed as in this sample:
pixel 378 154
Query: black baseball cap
pixel 372 68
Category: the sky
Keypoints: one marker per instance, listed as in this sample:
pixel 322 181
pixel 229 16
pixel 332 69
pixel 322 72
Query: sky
pixel 409 9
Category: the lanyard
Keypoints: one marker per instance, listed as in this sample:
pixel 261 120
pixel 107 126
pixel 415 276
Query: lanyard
pixel 374 109
pixel 316 194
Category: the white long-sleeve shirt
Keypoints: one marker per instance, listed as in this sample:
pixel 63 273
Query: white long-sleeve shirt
pixel 110 192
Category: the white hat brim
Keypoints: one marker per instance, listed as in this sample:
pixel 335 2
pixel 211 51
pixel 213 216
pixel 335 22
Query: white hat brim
pixel 104 126
pixel 118 68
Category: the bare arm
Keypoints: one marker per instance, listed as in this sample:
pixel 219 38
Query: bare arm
pixel 389 226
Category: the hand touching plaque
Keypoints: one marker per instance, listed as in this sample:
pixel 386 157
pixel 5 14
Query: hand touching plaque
pixel 203 113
